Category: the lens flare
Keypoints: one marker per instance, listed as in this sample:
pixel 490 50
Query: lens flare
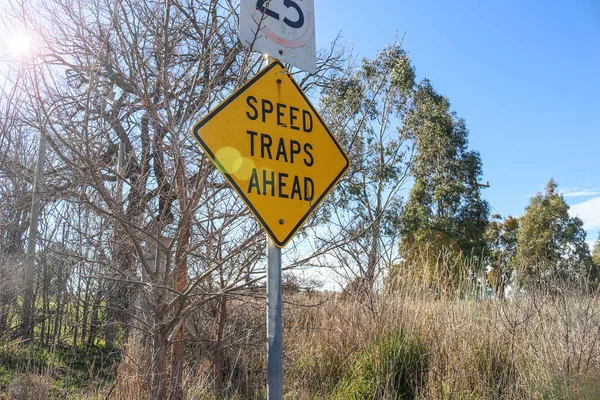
pixel 20 46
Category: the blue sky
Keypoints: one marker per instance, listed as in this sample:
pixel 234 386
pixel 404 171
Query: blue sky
pixel 523 74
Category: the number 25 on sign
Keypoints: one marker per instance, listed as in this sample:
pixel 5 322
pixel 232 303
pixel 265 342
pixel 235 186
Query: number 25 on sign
pixel 283 29
pixel 260 6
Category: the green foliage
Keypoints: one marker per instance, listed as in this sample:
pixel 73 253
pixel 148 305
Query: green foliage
pixel 395 368
pixel 67 370
pixel 323 369
pixel 501 237
pixel 363 106
pixel 550 243
pixel 445 196
pixel 485 373
pixel 366 107
pixel 596 252
pixel 436 260
pixel 492 374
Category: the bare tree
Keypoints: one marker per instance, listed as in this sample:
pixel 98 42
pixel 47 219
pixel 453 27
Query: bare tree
pixel 125 80
pixel 16 178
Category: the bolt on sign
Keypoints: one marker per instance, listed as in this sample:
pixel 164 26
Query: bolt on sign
pixel 283 29
pixel 274 149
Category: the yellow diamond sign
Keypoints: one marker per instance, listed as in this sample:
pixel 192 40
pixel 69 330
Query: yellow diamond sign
pixel 274 149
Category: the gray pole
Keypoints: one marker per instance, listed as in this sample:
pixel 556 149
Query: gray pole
pixel 274 325
pixel 32 237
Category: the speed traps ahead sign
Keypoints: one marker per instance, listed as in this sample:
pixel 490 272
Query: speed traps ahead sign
pixel 274 149
pixel 283 29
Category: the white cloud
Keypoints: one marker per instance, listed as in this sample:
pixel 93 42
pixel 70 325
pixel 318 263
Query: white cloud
pixel 580 193
pixel 589 212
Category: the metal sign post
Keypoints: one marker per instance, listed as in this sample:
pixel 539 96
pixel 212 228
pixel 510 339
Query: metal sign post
pixel 278 154
pixel 274 323
pixel 273 147
pixel 274 317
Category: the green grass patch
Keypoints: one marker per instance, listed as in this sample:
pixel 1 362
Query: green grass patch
pixel 395 368
pixel 68 371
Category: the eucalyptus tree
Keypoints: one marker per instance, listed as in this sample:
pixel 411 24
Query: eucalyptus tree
pixel 551 244
pixel 501 237
pixel 596 252
pixel 445 214
pixel 366 108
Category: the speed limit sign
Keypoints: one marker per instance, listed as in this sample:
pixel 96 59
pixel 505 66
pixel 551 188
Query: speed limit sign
pixel 283 29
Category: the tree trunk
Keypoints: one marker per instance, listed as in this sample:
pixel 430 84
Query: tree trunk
pixel 180 284
pixel 94 320
pixel 152 304
pixel 373 258
pixel 109 338
pixel 217 355
pixel 116 237
pixel 3 313
pixel 86 312
pixel 158 364
pixel 44 336
pixel 58 313
pixel 76 304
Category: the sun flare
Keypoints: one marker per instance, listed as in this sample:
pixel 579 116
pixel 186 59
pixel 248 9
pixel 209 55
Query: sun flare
pixel 20 46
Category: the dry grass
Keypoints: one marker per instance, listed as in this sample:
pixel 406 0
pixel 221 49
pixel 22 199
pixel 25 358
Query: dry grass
pixel 400 345
pixel 529 347
pixel 413 346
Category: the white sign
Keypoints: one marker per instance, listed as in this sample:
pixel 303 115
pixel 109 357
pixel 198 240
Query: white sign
pixel 283 29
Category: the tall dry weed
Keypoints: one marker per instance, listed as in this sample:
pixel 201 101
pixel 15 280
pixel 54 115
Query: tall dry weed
pixel 531 346
pixel 408 342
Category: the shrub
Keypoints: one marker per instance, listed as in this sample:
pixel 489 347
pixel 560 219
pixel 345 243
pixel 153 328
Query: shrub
pixel 395 368
pixel 29 387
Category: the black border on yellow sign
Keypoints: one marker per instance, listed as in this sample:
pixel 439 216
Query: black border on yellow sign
pixel 196 128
